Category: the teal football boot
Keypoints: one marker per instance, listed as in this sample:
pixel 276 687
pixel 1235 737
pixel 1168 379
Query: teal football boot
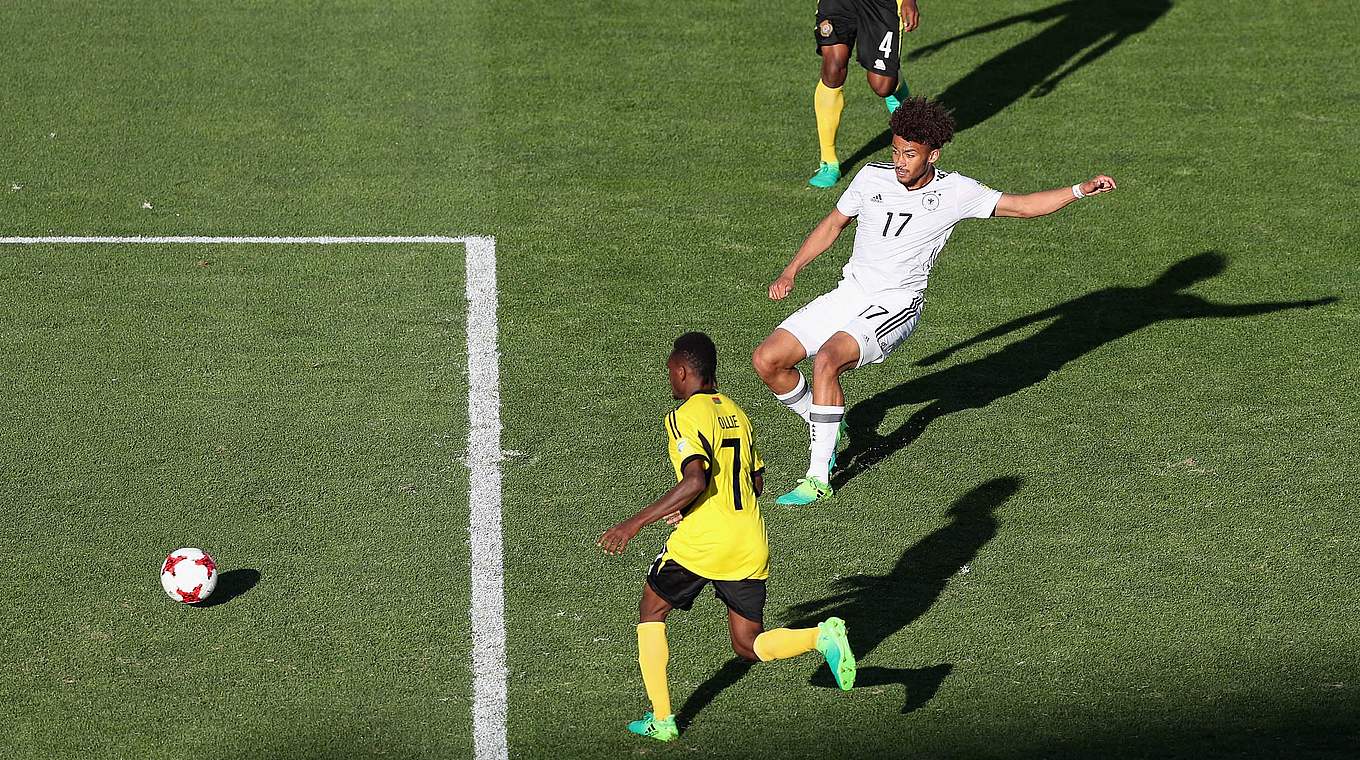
pixel 834 645
pixel 894 100
pixel 807 491
pixel 826 176
pixel 661 730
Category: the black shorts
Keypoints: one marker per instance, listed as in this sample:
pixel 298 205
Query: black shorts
pixel 874 23
pixel 680 587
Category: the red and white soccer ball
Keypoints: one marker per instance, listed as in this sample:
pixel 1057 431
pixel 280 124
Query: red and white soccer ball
pixel 189 575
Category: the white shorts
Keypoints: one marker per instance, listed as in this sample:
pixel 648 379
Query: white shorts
pixel 879 322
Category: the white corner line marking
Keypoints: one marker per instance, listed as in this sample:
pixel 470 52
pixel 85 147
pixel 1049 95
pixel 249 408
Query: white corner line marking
pixel 490 704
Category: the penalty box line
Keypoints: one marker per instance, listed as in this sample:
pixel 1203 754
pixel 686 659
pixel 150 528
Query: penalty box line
pixel 489 672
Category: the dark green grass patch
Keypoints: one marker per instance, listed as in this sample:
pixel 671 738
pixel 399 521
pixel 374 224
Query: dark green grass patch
pixel 298 413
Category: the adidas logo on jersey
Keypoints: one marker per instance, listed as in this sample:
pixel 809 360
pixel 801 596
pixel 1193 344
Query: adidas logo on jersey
pixel 878 198
pixel 878 64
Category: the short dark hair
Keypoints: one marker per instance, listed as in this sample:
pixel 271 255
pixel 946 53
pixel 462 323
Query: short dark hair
pixel 697 350
pixel 924 121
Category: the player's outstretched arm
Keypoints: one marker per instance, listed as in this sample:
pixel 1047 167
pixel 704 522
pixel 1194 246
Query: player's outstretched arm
pixel 822 237
pixel 693 481
pixel 1045 202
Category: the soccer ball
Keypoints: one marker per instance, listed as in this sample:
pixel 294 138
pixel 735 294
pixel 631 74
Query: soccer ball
pixel 189 575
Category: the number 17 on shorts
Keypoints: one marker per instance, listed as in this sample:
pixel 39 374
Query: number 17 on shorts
pixel 878 322
pixel 880 329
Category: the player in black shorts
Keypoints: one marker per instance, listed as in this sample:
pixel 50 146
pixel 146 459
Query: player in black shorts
pixel 874 28
pixel 719 538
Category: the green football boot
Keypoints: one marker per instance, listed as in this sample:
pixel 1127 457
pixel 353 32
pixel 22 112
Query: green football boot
pixel 894 100
pixel 835 647
pixel 826 176
pixel 661 730
pixel 807 491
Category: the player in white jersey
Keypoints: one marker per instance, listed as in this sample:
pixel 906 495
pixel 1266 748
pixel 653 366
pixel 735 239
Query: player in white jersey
pixel 906 211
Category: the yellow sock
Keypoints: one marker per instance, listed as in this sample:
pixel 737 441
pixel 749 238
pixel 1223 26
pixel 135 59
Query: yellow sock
pixel 653 653
pixel 782 643
pixel 828 102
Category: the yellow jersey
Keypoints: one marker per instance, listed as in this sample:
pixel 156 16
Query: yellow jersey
pixel 722 537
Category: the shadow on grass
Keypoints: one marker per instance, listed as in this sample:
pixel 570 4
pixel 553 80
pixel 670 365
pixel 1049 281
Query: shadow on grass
pixel 1078 327
pixel 1036 65
pixel 728 674
pixel 230 585
pixel 875 607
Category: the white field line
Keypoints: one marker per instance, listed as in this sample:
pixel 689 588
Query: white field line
pixel 489 674
pixel 253 240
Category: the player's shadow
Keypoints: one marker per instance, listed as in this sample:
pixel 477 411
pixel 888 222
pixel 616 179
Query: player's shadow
pixel 230 585
pixel 1077 327
pixel 875 607
pixel 1080 29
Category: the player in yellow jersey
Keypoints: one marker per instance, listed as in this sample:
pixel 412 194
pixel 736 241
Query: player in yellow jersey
pixel 719 537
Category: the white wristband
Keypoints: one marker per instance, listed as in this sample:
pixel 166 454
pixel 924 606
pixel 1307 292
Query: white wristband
pixel 1076 191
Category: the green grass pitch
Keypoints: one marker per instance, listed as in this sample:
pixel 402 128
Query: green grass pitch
pixel 1117 521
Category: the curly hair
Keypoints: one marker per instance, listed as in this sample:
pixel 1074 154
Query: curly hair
pixel 924 121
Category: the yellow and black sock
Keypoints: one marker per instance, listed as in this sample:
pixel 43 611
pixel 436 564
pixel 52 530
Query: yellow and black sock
pixel 782 643
pixel 653 653
pixel 828 103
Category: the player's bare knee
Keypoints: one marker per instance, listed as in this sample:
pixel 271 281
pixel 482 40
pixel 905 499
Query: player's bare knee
pixel 745 650
pixel 762 359
pixel 834 69
pixel 652 608
pixel 829 363
pixel 882 87
pixel 770 360
pixel 822 363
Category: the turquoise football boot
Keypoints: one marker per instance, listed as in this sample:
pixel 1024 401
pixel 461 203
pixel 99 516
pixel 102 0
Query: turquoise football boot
pixel 807 491
pixel 661 730
pixel 894 100
pixel 834 645
pixel 826 176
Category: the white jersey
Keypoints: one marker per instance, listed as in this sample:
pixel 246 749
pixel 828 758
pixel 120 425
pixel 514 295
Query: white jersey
pixel 900 232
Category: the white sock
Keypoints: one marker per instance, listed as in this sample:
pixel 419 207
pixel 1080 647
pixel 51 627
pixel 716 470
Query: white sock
pixel 799 399
pixel 825 421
